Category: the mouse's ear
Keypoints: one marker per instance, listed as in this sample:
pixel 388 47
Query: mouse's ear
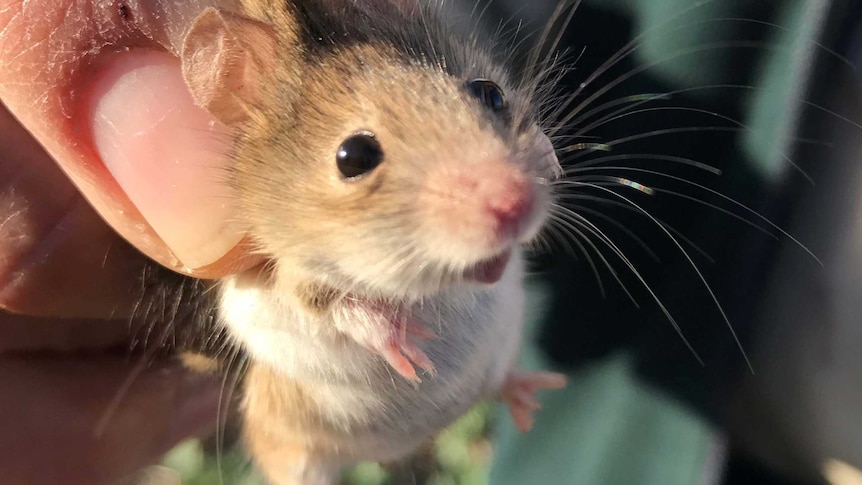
pixel 225 58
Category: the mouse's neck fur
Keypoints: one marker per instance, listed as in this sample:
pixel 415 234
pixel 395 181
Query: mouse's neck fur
pixel 320 294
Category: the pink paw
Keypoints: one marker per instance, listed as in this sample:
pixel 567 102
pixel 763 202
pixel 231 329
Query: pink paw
pixel 402 354
pixel 389 332
pixel 519 394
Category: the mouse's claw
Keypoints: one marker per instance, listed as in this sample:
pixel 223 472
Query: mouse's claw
pixel 402 354
pixel 519 390
pixel 404 357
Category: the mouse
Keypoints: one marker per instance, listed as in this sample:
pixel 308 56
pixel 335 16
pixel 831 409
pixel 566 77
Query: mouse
pixel 394 175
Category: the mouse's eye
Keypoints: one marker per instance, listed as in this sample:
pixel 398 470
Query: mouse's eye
pixel 488 93
pixel 358 155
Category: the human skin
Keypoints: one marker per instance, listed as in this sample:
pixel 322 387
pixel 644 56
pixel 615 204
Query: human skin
pixel 104 159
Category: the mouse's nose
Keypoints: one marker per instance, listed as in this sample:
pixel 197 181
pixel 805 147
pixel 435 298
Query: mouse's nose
pixel 508 200
pixel 482 206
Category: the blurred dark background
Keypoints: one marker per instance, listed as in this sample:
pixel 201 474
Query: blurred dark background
pixel 767 93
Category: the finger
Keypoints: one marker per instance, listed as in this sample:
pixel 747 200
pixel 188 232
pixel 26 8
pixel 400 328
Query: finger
pixel 106 100
pixel 167 154
pixel 80 421
pixel 23 333
pixel 58 256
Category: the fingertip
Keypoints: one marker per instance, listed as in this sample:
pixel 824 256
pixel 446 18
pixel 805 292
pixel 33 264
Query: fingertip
pixel 167 155
pixel 238 259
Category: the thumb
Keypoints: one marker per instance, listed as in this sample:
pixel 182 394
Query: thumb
pixel 165 154
pixel 106 99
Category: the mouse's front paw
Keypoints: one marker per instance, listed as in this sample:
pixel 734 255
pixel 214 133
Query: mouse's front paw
pixel 518 392
pixel 390 334
pixel 404 355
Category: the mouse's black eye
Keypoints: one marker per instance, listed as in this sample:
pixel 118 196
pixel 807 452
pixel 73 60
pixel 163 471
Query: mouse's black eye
pixel 358 155
pixel 488 93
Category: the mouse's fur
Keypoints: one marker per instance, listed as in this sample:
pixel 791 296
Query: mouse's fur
pixel 354 263
pixel 325 390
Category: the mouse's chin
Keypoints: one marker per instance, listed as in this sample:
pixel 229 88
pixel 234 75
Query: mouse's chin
pixel 490 270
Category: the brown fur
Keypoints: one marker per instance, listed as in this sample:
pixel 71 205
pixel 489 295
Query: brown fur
pixel 282 429
pixel 316 297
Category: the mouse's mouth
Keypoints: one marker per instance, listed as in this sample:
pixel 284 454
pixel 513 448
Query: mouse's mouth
pixel 489 270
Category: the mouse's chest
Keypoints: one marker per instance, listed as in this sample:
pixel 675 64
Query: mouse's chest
pixel 353 392
pixel 377 407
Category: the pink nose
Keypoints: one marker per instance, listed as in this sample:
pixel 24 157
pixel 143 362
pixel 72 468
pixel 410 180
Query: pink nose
pixel 508 199
pixel 485 203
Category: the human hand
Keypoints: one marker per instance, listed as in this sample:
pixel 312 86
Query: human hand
pixel 95 84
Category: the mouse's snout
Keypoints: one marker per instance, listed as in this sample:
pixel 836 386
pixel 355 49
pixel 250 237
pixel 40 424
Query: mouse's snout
pixel 484 207
pixel 507 200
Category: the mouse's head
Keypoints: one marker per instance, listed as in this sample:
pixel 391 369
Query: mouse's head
pixel 396 167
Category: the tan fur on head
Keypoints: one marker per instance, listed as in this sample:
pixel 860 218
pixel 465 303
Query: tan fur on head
pixel 368 231
pixel 293 103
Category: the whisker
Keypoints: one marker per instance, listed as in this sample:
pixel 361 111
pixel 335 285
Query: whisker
pixel 612 182
pixel 117 399
pixel 627 111
pixel 536 51
pixel 615 203
pixel 580 221
pixel 670 94
pixel 637 99
pixel 649 289
pixel 668 131
pixel 695 110
pixel 637 70
pixel 823 47
pixel 553 46
pixel 628 232
pixel 645 156
pixel 562 240
pixel 556 217
pixel 730 200
pixel 687 258
pixel 621 54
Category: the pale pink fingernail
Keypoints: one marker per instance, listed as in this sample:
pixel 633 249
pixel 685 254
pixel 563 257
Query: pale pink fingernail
pixel 167 154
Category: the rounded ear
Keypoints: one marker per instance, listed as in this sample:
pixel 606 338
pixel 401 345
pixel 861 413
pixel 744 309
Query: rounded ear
pixel 225 59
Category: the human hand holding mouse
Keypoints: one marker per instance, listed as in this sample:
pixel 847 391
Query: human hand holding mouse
pixel 121 125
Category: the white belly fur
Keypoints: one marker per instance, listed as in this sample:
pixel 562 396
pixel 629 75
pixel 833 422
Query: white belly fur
pixel 479 330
